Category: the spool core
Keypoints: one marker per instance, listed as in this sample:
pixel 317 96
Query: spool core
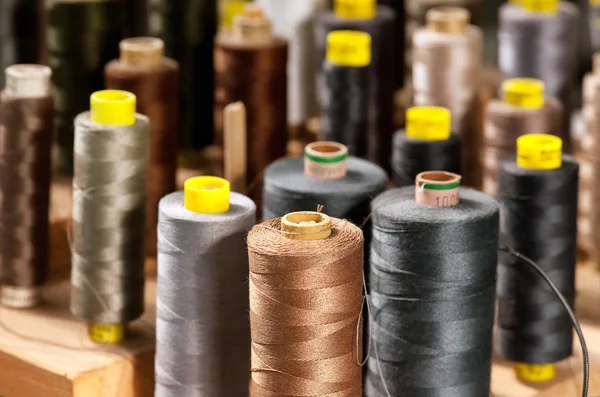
pixel 252 26
pixel 539 152
pixel 525 92
pixel 325 160
pixel 27 80
pixel 428 123
pixel 206 195
pixel 452 20
pixel 349 48
pixel 547 6
pixel 437 188
pixel 142 52
pixel 306 225
pixel 355 9
pixel 19 297
pixel 113 107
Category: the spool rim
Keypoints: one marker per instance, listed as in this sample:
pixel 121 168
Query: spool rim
pixel 306 225
pixel 206 194
pixel 113 107
pixel 539 152
pixel 535 373
pixel 355 9
pixel 142 51
pixel 28 80
pixel 543 6
pixel 438 180
pixel 448 19
pixel 524 92
pixel 349 48
pixel 430 123
pixel 107 333
pixel 326 152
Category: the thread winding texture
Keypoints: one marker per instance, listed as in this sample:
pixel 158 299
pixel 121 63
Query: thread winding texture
pixel 25 173
pixel 202 327
pixel 539 220
pixel 157 92
pixel 504 123
pixel 305 312
pixel 82 37
pixel 453 86
pixel 109 217
pixel 188 28
pixel 345 106
pixel 543 46
pixel 411 156
pixel 381 75
pixel 433 276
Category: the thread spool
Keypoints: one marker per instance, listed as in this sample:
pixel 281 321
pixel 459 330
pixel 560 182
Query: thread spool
pixel 202 299
pixel 426 144
pixel 26 112
pixel 522 110
pixel 143 70
pixel 250 65
pixel 379 23
pixel 538 39
pixel 400 35
pixel 539 200
pixel 432 272
pixel 345 90
pixel 448 39
pixel 594 24
pixel 109 203
pixel 188 28
pixel 306 286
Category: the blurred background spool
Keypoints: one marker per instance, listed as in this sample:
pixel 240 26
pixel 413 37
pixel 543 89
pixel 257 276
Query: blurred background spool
pixel 109 214
pixel 294 20
pixel 82 37
pixel 538 194
pixel 540 40
pixel 143 70
pixel 522 110
pixel 188 28
pixel 400 35
pixel 344 90
pixel 449 40
pixel 433 273
pixel 251 67
pixel 26 112
pixel 425 145
pixel 203 329
pixel 306 284
pixel 379 23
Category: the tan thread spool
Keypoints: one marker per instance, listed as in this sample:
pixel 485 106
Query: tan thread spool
pixel 437 189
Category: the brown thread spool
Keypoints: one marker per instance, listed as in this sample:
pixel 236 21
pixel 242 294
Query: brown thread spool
pixel 305 306
pixel 143 70
pixel 437 188
pixel 26 126
pixel 251 67
pixel 448 39
pixel 523 110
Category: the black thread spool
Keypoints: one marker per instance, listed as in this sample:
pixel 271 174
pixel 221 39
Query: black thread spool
pixel 379 23
pixel 188 28
pixel 538 195
pixel 432 276
pixel 82 37
pixel 426 144
pixel 400 34
pixel 345 90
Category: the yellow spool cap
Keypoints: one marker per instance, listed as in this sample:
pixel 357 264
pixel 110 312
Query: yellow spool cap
pixel 428 123
pixel 355 9
pixel 230 9
pixel 106 333
pixel 113 107
pixel 535 373
pixel 206 195
pixel 349 48
pixel 526 93
pixel 540 5
pixel 539 152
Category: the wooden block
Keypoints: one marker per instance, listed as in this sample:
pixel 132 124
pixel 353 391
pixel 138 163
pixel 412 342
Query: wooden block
pixel 46 352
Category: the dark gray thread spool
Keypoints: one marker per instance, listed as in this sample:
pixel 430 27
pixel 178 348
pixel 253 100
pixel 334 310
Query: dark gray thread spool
pixel 433 289
pixel 109 214
pixel 542 45
pixel 202 327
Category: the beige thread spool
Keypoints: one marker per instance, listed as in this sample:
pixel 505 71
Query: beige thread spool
pixel 325 160
pixel 437 189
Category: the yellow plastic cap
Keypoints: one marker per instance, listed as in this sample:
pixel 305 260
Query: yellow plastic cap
pixel 539 152
pixel 106 333
pixel 349 48
pixel 540 5
pixel 526 93
pixel 355 9
pixel 206 195
pixel 429 123
pixel 535 373
pixel 113 107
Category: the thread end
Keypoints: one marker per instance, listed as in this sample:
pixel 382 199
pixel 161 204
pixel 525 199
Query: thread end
pixel 535 373
pixel 526 93
pixel 428 123
pixel 539 152
pixel 113 107
pixel 437 188
pixel 206 195
pixel 144 52
pixel 107 333
pixel 306 225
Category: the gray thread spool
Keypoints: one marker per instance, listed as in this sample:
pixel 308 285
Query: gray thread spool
pixel 109 212
pixel 202 325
